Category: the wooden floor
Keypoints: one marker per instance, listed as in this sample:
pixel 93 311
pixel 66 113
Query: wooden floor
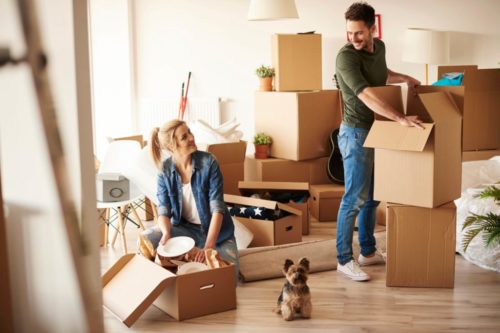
pixel 340 305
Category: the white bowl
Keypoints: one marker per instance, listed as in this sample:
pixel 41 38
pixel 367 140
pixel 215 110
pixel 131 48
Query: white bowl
pixel 176 246
pixel 191 267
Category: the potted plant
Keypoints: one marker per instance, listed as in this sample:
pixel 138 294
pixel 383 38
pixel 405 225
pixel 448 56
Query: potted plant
pixel 262 144
pixel 265 75
pixel 488 224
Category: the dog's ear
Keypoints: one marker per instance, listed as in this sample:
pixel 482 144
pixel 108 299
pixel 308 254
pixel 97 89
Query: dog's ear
pixel 304 263
pixel 287 265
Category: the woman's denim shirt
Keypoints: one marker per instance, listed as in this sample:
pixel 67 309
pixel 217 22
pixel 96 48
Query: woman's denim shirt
pixel 206 184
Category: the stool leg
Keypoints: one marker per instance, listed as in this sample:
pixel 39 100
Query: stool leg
pixel 119 212
pixel 137 217
pixel 155 212
pixel 122 230
pixel 106 227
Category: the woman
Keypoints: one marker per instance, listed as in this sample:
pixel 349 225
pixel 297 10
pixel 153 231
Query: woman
pixel 190 195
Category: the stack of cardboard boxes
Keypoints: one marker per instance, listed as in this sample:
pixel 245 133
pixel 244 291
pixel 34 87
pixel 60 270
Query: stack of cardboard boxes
pixel 418 172
pixel 299 116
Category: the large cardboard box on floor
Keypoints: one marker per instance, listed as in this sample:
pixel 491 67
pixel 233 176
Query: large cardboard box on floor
pixel 281 170
pixel 477 99
pixel 420 167
pixel 282 230
pixel 421 246
pixel 297 61
pixel 231 158
pixel 325 201
pixel 300 123
pixel 287 191
pixel 133 283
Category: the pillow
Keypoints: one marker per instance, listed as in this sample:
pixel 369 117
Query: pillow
pixel 242 234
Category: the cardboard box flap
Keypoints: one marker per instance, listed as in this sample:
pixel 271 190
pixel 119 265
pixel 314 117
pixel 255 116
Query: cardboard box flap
pixel 440 106
pixel 226 153
pixel 246 201
pixel 391 135
pixel 131 285
pixel 248 188
pixel 392 96
pixel 482 79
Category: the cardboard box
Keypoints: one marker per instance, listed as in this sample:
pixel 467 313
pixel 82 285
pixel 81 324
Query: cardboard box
pixel 325 201
pixel 477 100
pixel 421 246
pixel 419 167
pixel 281 170
pixel 310 118
pixel 133 283
pixel 479 155
pixel 231 158
pixel 285 230
pixel 381 213
pixel 247 188
pixel 297 61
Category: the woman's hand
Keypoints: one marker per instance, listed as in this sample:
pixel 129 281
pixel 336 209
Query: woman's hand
pixel 164 238
pixel 200 256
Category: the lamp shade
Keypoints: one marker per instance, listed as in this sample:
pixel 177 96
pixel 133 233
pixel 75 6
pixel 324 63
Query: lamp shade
pixel 261 10
pixel 426 46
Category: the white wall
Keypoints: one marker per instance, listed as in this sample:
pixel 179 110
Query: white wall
pixel 214 40
pixel 46 296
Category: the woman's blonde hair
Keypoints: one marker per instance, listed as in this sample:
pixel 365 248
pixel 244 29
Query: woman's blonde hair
pixel 164 138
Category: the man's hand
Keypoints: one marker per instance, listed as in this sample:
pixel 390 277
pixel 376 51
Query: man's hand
pixel 412 84
pixel 410 121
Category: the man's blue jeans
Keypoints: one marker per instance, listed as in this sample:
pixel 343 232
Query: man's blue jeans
pixel 358 197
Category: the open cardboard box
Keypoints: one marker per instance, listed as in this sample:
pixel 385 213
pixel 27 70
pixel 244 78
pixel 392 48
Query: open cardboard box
pixel 231 159
pixel 419 167
pixel 247 188
pixel 477 99
pixel 284 230
pixel 421 246
pixel 133 283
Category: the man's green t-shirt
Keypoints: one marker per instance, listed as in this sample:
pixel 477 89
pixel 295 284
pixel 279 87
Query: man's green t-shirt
pixel 356 70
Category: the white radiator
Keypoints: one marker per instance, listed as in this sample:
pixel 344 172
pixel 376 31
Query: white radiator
pixel 156 112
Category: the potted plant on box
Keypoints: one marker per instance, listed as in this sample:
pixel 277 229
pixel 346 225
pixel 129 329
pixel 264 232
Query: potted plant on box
pixel 265 75
pixel 262 144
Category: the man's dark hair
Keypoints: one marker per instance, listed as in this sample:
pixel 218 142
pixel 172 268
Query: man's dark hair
pixel 361 11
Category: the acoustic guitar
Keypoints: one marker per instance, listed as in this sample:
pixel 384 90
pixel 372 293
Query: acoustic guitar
pixel 335 166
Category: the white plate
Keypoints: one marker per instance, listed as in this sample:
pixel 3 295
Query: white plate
pixel 191 267
pixel 176 246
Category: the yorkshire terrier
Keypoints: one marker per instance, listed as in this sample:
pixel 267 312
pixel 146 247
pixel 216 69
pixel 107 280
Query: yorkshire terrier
pixel 295 298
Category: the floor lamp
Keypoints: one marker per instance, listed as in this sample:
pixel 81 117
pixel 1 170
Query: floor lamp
pixel 264 10
pixel 426 47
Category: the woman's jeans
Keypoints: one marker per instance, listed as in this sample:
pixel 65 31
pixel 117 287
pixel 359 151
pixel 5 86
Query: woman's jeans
pixel 227 250
pixel 358 196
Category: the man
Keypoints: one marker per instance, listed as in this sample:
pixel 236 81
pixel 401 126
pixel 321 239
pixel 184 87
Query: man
pixel 360 66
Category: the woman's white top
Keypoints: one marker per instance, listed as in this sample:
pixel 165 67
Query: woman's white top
pixel 189 210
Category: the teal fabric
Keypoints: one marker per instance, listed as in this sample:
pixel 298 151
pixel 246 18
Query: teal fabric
pixel 450 79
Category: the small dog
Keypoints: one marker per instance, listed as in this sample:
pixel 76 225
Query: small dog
pixel 295 298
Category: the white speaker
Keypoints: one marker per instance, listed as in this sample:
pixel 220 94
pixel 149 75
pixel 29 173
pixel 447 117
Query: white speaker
pixel 112 187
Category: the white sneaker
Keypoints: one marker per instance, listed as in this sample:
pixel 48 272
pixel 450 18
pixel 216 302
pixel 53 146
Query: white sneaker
pixel 373 260
pixel 352 271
